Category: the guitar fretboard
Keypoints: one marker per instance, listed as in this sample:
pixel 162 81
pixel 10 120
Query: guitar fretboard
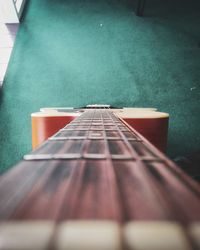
pixel 98 168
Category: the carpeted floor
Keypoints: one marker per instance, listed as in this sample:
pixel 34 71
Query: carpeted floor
pixel 75 52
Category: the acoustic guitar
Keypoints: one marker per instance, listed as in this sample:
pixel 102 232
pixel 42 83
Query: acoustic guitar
pixel 98 184
pixel 150 123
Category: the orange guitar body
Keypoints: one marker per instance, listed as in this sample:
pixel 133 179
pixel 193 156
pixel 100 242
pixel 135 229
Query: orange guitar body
pixel 154 130
pixel 148 122
pixel 44 127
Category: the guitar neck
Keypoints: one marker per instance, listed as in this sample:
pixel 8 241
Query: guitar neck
pixel 98 168
pixel 103 162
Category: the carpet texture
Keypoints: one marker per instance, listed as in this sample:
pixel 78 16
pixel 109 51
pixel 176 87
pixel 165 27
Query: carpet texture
pixel 78 52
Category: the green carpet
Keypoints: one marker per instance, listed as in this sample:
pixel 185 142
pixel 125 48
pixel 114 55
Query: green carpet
pixel 78 52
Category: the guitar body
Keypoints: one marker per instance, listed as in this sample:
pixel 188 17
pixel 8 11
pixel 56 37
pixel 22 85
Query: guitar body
pixel 150 123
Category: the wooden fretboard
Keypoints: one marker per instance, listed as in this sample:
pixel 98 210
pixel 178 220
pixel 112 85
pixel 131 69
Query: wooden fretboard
pixel 97 167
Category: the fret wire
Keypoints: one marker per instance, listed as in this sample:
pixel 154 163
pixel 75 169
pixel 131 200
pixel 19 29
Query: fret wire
pixel 63 138
pixel 86 156
pixel 51 157
pixel 86 129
